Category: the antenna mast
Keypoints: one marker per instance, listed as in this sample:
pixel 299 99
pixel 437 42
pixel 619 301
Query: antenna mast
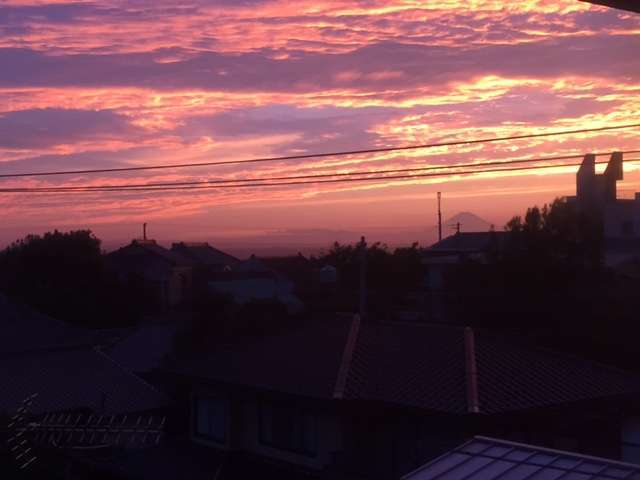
pixel 439 218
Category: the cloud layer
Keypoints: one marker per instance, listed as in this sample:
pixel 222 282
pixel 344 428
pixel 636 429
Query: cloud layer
pixel 115 83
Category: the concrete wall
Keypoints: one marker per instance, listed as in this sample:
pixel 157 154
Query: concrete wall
pixel 622 219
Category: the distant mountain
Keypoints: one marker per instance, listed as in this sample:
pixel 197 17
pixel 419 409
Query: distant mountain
pixel 469 222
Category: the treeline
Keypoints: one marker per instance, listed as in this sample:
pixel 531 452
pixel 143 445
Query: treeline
pixel 548 282
pixel 64 275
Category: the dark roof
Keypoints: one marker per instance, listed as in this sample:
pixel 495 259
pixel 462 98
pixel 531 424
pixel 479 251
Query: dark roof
pixel 144 349
pixel 23 329
pixel 408 365
pixel 41 355
pixel 631 5
pixel 514 375
pixel 490 459
pixel 303 361
pixel 73 379
pixel 428 367
pixel 150 247
pixel 204 254
pixel 470 241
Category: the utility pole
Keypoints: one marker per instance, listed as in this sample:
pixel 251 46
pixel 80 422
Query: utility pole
pixel 363 278
pixel 439 219
pixel 144 231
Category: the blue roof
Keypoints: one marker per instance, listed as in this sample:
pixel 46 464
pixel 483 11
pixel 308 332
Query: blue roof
pixel 485 458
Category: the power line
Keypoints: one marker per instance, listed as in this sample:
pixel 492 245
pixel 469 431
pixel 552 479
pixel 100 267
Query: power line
pixel 292 183
pixel 319 155
pixel 312 176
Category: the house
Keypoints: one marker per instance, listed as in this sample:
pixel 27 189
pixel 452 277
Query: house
pixel 205 257
pixel 59 363
pixel 71 385
pixel 253 280
pixel 596 196
pixel 338 396
pixel 164 275
pixel 483 458
pixel 143 350
pixel 444 255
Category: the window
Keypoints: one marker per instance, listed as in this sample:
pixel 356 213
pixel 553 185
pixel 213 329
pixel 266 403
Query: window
pixel 287 427
pixel 211 418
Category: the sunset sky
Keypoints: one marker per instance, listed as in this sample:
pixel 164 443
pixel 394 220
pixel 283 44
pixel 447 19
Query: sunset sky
pixel 116 83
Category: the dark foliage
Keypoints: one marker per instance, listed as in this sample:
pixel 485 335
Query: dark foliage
pixel 390 276
pixel 548 283
pixel 218 319
pixel 62 274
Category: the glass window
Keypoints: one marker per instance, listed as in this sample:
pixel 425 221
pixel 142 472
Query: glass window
pixel 288 427
pixel 211 418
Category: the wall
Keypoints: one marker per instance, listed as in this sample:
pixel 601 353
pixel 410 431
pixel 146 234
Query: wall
pixel 243 431
pixel 328 438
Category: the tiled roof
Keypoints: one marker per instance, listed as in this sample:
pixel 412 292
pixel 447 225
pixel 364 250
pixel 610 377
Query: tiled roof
pixel 408 365
pixel 204 254
pixel 514 375
pixel 141 247
pixel 23 329
pixel 432 367
pixel 145 348
pixel 41 355
pixel 490 459
pixel 427 366
pixel 303 361
pixel 73 379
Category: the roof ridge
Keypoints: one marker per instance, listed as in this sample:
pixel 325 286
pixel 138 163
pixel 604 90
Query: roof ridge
pixel 347 355
pixel 130 373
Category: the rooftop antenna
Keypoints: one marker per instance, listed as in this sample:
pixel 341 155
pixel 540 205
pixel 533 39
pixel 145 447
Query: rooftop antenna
pixel 456 227
pixel 439 218
pixel 77 431
pixel 144 231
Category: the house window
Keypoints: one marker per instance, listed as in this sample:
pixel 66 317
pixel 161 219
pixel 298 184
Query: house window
pixel 211 415
pixel 287 427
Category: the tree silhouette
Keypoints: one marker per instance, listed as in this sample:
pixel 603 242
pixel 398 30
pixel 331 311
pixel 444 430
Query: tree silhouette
pixel 62 274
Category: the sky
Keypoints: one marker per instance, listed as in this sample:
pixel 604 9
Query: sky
pixel 116 83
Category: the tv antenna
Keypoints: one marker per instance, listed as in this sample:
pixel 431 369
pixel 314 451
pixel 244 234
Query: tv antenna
pixel 73 431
